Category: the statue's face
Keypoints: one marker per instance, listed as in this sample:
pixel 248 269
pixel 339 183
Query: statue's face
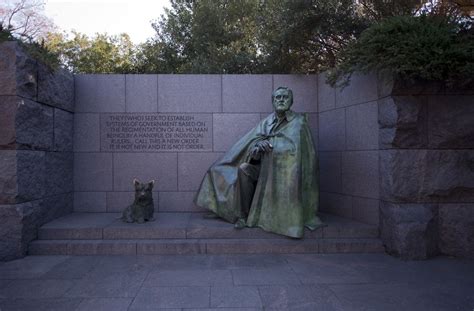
pixel 282 101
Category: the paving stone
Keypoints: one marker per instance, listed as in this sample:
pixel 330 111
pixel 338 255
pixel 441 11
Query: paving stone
pixel 165 226
pixel 111 264
pixel 326 94
pixel 118 201
pixel 269 276
pixel 30 267
pixel 99 93
pixel 36 289
pixel 332 130
pixel 93 172
pixel 107 285
pixel 86 132
pixel 362 127
pixel 244 93
pixel 230 127
pixel 254 261
pixel 164 247
pixel 191 168
pixel 190 262
pixel 151 298
pixel 161 167
pixel 104 304
pixel 205 277
pixel 235 296
pixel 74 267
pixel 316 297
pixel 141 93
pixel 305 90
pixel 39 304
pixel 189 93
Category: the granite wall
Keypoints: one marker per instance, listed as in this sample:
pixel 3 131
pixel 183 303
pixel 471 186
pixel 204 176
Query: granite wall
pixel 36 158
pixel 229 105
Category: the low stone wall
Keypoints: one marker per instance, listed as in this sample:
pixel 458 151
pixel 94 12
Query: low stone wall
pixel 111 149
pixel 36 159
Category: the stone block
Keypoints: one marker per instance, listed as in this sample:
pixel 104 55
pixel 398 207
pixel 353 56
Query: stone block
pixel 456 230
pixel 360 173
pixel 314 127
pixel 450 121
pixel 86 132
pixel 56 87
pixel 177 297
pixel 427 175
pixel 55 206
pixel 330 173
pixel 362 128
pixel 10 233
pixel 235 297
pixel 229 128
pixel 90 202
pixel 247 93
pixel 18 71
pixel 265 276
pixel 161 167
pixel 59 169
pixel 118 201
pixel 177 202
pixel 48 248
pixel 326 94
pixel 141 93
pixel 63 130
pixel 336 203
pixel 8 176
pixel 403 122
pixel 8 111
pixel 365 210
pixel 332 130
pixel 362 89
pixel 93 172
pixel 99 93
pixel 170 247
pixel 189 93
pixel 101 247
pixel 31 175
pixel 192 167
pixel 305 90
pixel 409 231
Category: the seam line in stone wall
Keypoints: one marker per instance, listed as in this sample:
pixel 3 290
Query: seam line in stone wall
pixel 344 107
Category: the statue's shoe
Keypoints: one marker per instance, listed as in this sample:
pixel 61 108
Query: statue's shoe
pixel 240 224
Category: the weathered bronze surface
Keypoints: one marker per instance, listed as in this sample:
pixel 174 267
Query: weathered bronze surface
pixel 269 178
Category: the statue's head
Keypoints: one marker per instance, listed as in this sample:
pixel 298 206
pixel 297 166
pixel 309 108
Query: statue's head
pixel 282 99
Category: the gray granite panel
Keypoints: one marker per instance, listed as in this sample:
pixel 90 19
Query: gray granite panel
pixel 59 169
pixel 330 179
pixel 366 210
pixel 362 128
pixel 362 89
pixel 56 87
pixel 141 93
pixel 100 93
pixel 93 172
pixel 102 247
pixel 161 167
pixel 90 202
pixel 86 132
pixel 326 94
pixel 336 203
pixel 177 202
pixel 305 90
pixel 63 130
pixel 8 111
pixel 118 201
pixel 229 128
pixel 34 124
pixel 360 173
pixel 31 175
pixel 456 229
pixel 192 167
pixel 332 130
pixel 247 93
pixel 314 127
pixel 189 93
pixel 8 176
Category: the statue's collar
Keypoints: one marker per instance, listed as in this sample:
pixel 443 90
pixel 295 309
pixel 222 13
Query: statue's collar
pixel 289 116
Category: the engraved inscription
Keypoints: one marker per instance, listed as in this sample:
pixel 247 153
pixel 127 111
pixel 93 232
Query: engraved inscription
pixel 155 132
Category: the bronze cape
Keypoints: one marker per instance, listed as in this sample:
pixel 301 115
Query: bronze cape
pixel 286 195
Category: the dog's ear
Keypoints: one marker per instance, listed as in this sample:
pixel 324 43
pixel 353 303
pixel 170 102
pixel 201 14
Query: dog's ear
pixel 151 183
pixel 135 182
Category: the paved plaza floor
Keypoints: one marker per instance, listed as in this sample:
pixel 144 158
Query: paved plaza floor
pixel 236 282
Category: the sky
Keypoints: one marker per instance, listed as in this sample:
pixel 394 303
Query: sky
pixel 111 16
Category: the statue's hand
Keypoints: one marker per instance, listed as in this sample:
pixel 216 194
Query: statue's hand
pixel 259 148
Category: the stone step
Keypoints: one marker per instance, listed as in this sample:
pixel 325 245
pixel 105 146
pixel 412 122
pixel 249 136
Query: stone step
pixel 204 246
pixel 108 226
